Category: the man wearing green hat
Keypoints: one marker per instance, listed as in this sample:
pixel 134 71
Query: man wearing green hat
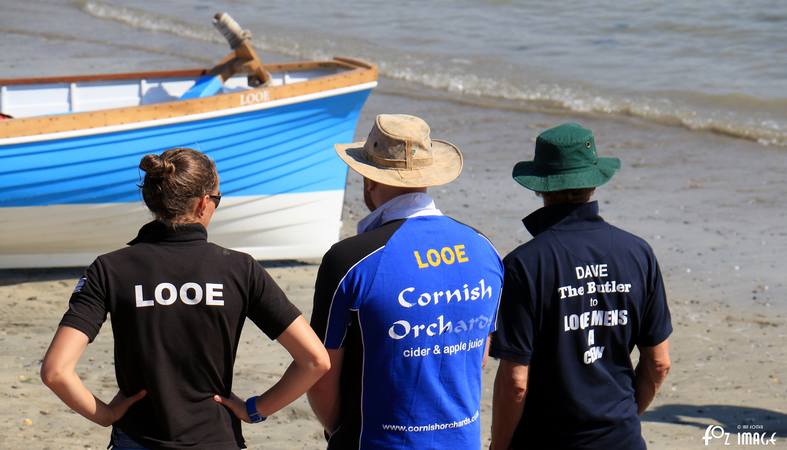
pixel 576 300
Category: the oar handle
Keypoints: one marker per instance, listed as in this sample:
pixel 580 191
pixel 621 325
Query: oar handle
pixel 243 53
pixel 230 29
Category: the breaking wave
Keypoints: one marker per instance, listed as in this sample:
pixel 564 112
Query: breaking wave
pixel 735 115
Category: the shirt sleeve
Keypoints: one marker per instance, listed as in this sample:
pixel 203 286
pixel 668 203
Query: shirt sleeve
pixel 269 307
pixel 501 271
pixel 332 303
pixel 87 308
pixel 656 323
pixel 516 321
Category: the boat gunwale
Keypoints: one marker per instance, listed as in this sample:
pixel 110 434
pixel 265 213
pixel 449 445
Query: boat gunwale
pixel 360 72
pixel 338 61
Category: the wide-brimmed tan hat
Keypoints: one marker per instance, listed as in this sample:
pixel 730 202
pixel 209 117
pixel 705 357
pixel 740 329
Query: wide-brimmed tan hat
pixel 399 152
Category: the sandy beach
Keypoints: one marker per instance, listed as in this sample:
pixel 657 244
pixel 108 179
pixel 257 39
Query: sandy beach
pixel 712 207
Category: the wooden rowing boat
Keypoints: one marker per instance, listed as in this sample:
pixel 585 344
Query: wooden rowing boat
pixel 70 151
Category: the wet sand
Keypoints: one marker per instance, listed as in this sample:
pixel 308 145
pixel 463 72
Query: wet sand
pixel 712 207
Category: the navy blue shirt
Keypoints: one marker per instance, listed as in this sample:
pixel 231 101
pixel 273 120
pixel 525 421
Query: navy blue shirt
pixel 576 300
pixel 412 303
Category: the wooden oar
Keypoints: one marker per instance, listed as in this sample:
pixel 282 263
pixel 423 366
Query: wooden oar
pixel 243 57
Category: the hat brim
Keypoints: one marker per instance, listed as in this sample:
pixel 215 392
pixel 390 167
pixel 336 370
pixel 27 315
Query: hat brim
pixel 446 166
pixel 536 179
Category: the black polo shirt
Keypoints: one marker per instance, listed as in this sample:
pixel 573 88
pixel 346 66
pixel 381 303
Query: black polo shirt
pixel 576 300
pixel 177 305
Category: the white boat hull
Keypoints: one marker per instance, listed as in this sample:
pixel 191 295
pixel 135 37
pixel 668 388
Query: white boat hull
pixel 68 183
pixel 283 226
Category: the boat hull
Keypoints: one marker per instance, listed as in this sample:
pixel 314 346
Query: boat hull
pixel 67 197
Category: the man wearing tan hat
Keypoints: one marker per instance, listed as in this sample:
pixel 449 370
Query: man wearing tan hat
pixel 406 306
pixel 578 298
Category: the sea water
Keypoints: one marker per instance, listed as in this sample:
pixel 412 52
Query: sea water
pixel 713 65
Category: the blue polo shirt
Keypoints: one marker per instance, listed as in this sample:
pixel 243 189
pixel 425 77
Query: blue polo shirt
pixel 412 303
pixel 577 298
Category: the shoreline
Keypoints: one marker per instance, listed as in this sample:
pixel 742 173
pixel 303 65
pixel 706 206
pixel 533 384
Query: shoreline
pixel 698 210
pixel 126 49
pixel 727 359
pixel 712 207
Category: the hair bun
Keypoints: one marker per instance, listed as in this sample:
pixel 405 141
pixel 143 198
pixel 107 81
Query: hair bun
pixel 174 181
pixel 156 166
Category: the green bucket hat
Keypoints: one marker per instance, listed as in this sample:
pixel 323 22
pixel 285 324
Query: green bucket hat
pixel 565 159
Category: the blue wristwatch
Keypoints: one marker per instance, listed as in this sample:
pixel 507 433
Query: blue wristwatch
pixel 251 409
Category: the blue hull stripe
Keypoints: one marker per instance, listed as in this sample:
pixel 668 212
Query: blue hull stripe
pixel 287 149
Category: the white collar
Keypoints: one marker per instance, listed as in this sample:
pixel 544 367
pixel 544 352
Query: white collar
pixel 414 204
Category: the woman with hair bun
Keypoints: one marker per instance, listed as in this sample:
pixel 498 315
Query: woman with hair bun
pixel 177 305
